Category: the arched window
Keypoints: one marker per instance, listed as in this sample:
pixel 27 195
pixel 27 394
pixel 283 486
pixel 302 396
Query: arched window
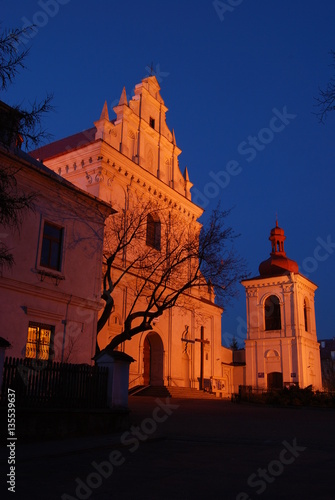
pixel 305 316
pixel 153 231
pixel 272 313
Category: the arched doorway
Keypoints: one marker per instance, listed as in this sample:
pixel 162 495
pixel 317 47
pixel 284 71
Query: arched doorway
pixel 153 360
pixel 275 380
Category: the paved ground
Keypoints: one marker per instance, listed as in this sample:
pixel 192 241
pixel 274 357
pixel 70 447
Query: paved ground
pixel 188 449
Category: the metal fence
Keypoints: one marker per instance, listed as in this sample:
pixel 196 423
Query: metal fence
pixel 45 384
pixel 289 394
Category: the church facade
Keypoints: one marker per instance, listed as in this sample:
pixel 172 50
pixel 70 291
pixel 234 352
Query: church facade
pixel 137 153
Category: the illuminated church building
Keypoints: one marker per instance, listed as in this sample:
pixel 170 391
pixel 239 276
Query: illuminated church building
pixel 281 345
pixel 136 150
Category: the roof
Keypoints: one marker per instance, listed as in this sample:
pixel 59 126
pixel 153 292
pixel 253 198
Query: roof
pixel 4 344
pixel 116 355
pixel 279 275
pixel 278 265
pixel 64 145
pixel 36 165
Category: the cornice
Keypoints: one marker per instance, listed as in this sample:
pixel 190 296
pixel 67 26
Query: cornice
pixel 265 282
pixel 100 166
pixel 30 311
pixel 52 295
pixel 305 284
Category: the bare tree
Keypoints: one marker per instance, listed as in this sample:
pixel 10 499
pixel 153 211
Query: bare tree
pixel 233 344
pixel 326 99
pixel 13 204
pixel 169 268
pixel 17 126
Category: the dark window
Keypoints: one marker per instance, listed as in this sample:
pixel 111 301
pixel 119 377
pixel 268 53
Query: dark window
pixel 272 313
pixel 152 122
pixel 153 232
pixel 52 246
pixel 39 341
pixel 305 316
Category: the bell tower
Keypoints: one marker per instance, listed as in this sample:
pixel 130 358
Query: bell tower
pixel 281 345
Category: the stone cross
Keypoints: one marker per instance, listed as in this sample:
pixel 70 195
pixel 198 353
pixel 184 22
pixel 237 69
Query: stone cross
pixel 202 341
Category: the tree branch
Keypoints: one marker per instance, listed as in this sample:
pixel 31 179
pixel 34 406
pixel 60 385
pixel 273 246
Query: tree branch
pixel 190 258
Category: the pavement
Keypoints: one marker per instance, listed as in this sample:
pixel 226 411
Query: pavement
pixel 186 449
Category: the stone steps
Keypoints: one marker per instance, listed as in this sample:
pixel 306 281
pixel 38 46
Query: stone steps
pixel 189 393
pixel 173 392
pixel 152 391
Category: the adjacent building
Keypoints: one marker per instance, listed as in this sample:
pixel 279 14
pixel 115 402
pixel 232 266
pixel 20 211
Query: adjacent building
pixel 327 352
pixel 50 296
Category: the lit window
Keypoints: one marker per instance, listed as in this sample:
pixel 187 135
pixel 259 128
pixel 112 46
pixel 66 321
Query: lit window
pixel 52 246
pixel 152 122
pixel 153 232
pixel 272 313
pixel 39 342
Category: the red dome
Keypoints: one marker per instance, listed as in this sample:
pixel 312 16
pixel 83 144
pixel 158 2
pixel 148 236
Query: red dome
pixel 275 266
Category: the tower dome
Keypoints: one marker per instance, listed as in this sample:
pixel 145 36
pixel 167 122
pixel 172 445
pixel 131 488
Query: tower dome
pixel 278 263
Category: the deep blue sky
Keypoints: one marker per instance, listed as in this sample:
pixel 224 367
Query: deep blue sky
pixel 224 81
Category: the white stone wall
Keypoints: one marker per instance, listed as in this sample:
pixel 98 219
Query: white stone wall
pixel 292 350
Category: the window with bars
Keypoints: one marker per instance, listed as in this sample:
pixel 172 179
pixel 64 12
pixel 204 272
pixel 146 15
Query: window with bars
pixel 51 253
pixel 39 341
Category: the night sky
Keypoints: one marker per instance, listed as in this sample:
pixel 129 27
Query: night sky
pixel 240 81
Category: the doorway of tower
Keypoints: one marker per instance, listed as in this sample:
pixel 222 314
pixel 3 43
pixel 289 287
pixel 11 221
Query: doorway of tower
pixel 275 380
pixel 153 360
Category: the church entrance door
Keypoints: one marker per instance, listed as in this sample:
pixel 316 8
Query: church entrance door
pixel 275 380
pixel 153 360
